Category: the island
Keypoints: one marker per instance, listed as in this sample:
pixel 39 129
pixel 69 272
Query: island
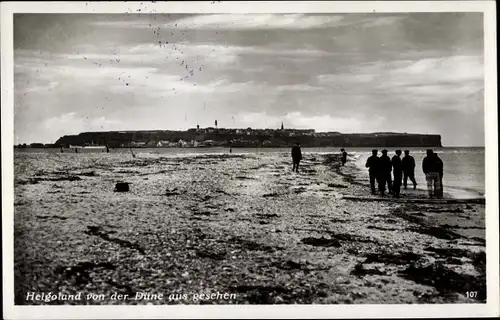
pixel 234 138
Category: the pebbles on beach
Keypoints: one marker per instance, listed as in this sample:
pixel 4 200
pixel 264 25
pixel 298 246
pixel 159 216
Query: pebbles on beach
pixel 242 224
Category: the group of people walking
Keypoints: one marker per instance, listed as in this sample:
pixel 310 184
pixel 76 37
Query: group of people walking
pixel 392 172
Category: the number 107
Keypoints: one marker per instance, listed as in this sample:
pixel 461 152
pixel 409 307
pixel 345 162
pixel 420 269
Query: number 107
pixel 471 294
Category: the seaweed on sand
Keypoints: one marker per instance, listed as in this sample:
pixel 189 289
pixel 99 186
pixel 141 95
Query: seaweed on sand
pixel 266 294
pixel 266 216
pixel 251 245
pixel 308 171
pixel 360 271
pixel 451 254
pixel 300 190
pixel 292 265
pixel 173 192
pixel 382 228
pixel 214 255
pixel 446 280
pixel 270 195
pixel 341 236
pixel 335 185
pixel 37 180
pixel 402 258
pixel 245 178
pixel 203 213
pixel 439 232
pixel 53 217
pixel 97 231
pixel 88 174
pixel 321 242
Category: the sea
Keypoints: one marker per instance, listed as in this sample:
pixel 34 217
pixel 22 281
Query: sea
pixel 463 171
pixel 463 174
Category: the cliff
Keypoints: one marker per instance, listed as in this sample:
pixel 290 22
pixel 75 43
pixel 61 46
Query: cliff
pixel 250 138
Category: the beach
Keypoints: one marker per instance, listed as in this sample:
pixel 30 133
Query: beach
pixel 241 224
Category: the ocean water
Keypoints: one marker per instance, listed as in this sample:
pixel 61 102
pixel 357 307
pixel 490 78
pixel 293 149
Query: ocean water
pixel 463 176
pixel 463 171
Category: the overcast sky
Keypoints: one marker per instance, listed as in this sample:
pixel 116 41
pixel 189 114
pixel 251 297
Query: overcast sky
pixel 416 72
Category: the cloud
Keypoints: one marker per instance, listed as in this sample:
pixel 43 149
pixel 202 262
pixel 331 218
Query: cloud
pixel 332 123
pixel 321 123
pixel 209 53
pixel 256 22
pixel 299 87
pixel 251 22
pixel 128 73
pixel 260 21
pixel 72 123
pixel 431 83
pixel 157 67
pixel 237 21
pixel 333 79
pixel 381 21
pixel 446 69
pixel 203 53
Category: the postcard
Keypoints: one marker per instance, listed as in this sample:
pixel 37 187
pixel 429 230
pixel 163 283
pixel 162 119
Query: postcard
pixel 249 159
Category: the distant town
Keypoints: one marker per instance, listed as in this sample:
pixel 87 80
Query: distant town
pixel 237 137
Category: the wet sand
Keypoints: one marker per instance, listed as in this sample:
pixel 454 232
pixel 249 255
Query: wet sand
pixel 242 224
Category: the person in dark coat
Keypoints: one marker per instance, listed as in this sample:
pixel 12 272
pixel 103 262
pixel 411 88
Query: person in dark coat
pixel 296 157
pixel 432 166
pixel 397 171
pixel 408 163
pixel 439 163
pixel 344 156
pixel 385 173
pixel 372 163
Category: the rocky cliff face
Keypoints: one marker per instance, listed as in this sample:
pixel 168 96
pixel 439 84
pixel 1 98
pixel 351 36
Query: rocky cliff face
pixel 117 139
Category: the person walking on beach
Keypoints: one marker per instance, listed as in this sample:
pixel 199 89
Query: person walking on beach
pixel 372 163
pixel 439 191
pixel 432 166
pixel 385 173
pixel 397 171
pixel 344 156
pixel 408 163
pixel 296 157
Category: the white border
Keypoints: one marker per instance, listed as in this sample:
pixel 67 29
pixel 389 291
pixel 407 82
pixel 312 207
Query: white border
pixel 491 308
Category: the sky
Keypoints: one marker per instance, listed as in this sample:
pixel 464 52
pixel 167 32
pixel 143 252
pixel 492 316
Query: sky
pixel 370 72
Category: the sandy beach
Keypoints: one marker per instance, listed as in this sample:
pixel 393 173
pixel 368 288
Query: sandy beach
pixel 237 224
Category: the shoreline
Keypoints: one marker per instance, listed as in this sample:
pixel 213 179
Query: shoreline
pixel 361 174
pixel 272 236
pixel 458 193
